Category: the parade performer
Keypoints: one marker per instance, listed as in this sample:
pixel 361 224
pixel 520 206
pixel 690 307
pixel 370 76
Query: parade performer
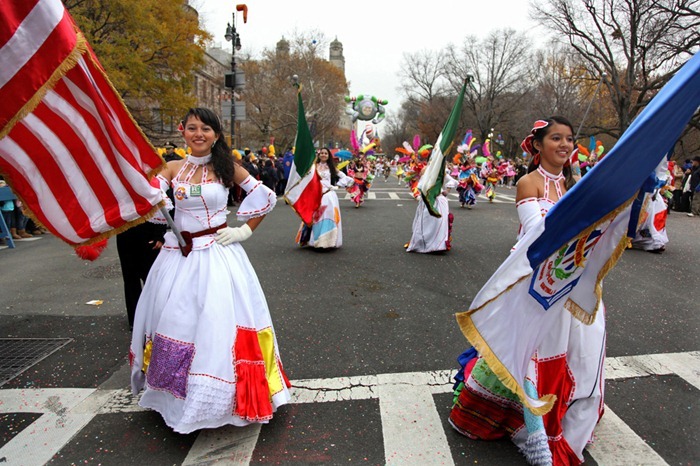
pixel 414 158
pixel 469 186
pixel 568 363
pixel 490 185
pixel 429 233
pixel 326 230
pixel 203 344
pixel 651 207
pixel 432 224
pixel 357 191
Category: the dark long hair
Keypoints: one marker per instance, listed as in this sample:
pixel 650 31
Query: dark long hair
pixel 539 136
pixel 221 157
pixel 330 163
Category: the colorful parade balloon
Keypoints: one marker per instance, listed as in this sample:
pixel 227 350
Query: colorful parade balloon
pixel 366 108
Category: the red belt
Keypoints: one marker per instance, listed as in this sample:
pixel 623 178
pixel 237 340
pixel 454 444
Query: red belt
pixel 188 236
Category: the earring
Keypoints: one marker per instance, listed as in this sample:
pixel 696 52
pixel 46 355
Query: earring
pixel 212 146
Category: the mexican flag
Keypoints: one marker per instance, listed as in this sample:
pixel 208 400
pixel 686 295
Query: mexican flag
pixel 430 183
pixel 304 190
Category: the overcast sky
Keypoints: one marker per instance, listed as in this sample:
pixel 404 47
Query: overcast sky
pixel 375 34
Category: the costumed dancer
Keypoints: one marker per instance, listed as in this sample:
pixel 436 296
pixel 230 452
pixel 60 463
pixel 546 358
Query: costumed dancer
pixel 570 361
pixel 490 185
pixel 651 206
pixel 415 156
pixel 432 234
pixel 326 230
pixel 359 187
pixel 469 186
pixel 203 347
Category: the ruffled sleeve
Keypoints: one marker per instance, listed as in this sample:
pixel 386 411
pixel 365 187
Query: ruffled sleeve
pixel 259 200
pixel 449 183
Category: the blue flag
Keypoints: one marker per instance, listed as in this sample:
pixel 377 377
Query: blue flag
pixel 559 264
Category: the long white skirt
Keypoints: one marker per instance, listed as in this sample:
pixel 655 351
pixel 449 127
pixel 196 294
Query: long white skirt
pixel 430 233
pixel 327 229
pixel 210 348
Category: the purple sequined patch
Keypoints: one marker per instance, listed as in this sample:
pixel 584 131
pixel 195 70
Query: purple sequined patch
pixel 170 364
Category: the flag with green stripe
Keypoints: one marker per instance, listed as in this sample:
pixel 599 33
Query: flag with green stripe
pixel 430 184
pixel 304 191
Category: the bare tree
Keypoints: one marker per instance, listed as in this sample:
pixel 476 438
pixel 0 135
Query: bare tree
pixel 499 68
pixel 423 75
pixel 639 44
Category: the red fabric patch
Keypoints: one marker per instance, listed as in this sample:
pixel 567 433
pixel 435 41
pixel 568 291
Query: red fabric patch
pixel 480 418
pixel 660 220
pixel 553 376
pixel 247 346
pixel 252 390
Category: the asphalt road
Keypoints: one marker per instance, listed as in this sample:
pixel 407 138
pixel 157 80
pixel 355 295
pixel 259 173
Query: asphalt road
pixel 368 324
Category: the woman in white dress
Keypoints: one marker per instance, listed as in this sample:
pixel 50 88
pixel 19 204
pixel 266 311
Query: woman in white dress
pixel 569 363
pixel 432 234
pixel 203 347
pixel 326 230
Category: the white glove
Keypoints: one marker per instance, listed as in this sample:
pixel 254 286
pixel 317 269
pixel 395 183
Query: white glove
pixel 334 188
pixel 229 235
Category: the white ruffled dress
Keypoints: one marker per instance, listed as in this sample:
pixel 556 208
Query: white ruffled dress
pixel 327 229
pixel 203 346
pixel 431 234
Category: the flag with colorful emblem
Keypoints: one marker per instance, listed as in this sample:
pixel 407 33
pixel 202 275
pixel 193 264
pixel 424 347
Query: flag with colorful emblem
pixel 68 147
pixel 558 266
pixel 304 189
pixel 430 184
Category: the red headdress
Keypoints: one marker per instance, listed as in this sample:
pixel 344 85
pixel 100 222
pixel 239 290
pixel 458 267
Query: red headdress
pixel 527 146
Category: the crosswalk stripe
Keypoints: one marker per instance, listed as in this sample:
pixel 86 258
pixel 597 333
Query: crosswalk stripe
pixel 225 445
pixel 410 420
pixel 378 195
pixel 685 365
pixel 59 423
pixel 616 444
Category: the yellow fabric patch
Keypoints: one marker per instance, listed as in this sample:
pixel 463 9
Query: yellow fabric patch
pixel 267 346
pixel 336 215
pixel 147 355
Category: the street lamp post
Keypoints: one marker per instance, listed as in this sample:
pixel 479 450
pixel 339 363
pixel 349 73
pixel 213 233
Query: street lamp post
pixel 235 39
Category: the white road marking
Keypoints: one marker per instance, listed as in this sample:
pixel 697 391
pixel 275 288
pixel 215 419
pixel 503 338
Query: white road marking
pixel 411 424
pixel 685 365
pixel 226 445
pixel 414 431
pixel 63 416
pixel 405 195
pixel 617 445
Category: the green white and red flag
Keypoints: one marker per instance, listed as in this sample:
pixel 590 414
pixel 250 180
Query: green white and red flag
pixel 430 184
pixel 304 189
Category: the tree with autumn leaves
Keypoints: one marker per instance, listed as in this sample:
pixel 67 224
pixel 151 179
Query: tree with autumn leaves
pixel 149 49
pixel 271 108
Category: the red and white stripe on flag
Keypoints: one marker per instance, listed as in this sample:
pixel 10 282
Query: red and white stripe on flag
pixel 68 146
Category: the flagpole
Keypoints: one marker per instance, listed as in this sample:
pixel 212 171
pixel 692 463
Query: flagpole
pixel 597 88
pixel 171 224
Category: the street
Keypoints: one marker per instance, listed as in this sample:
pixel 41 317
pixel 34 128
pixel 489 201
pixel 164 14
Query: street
pixel 367 335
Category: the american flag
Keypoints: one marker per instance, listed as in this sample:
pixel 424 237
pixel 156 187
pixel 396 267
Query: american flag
pixel 68 146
